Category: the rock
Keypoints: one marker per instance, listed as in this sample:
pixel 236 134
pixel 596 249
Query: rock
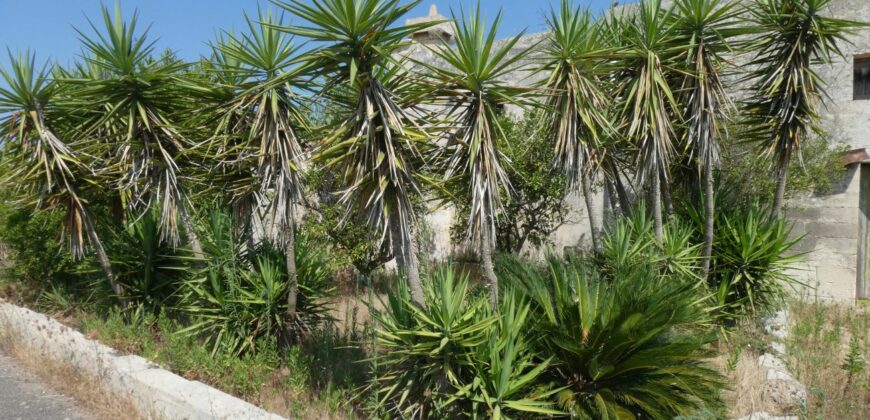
pixel 777 324
pixel 763 415
pixel 788 395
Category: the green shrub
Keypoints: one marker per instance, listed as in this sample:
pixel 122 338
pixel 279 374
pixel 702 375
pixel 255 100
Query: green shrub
pixel 453 357
pixel 35 249
pixel 633 346
pixel 150 270
pixel 630 245
pixel 751 259
pixel 240 298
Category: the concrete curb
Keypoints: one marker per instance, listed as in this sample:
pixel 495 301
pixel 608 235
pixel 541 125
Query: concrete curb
pixel 154 392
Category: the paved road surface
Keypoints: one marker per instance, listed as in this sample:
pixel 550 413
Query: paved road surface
pixel 24 397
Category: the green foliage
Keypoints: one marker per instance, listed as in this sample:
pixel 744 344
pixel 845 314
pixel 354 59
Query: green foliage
pixel 630 245
pixel 629 347
pixel 854 363
pixel 150 270
pixel 752 257
pixel 454 357
pixel 240 298
pixel 349 236
pixel 745 173
pixel 36 253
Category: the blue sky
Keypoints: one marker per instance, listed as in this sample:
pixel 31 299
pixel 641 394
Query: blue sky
pixel 46 26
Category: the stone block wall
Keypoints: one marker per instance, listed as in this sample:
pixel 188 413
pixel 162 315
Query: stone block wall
pixel 829 225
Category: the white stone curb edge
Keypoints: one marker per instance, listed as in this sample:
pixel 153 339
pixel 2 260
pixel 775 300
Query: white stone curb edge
pixel 154 392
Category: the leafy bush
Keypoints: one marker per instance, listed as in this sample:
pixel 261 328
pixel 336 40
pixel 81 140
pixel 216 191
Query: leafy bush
pixel 752 255
pixel 240 298
pixel 747 173
pixel 35 251
pixel 630 347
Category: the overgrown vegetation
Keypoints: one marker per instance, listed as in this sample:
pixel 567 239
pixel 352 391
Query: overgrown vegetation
pixel 205 214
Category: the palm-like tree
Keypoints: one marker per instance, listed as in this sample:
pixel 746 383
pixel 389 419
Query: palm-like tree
pixel 705 28
pixel 574 53
pixel 472 87
pixel 376 146
pixel 125 101
pixel 786 91
pixel 45 167
pixel 262 116
pixel 646 42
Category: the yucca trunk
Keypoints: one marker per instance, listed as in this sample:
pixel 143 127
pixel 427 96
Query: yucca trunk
pixel 709 215
pixel 667 198
pixel 190 233
pixel 486 251
pixel 405 253
pixel 781 180
pixel 593 211
pixel 103 259
pixel 657 207
pixel 292 278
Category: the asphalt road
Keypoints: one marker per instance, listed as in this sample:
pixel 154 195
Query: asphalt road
pixel 24 397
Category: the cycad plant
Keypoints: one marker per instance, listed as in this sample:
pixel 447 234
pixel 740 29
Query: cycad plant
pixel 44 167
pixel 631 347
pixel 706 30
pixel 472 87
pixel 376 147
pixel 786 93
pixel 574 55
pixel 258 131
pixel 124 102
pixel 645 42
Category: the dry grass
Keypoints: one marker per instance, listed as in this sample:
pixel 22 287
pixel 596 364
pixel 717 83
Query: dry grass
pixel 817 347
pixel 87 391
pixel 738 361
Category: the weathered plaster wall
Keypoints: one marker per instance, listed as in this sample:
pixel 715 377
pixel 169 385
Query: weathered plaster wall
pixel 830 245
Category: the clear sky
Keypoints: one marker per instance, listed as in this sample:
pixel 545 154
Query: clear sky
pixel 185 26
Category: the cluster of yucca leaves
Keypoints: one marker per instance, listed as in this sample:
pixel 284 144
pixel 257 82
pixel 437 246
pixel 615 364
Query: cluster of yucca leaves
pixel 566 341
pixel 240 298
pixel 752 258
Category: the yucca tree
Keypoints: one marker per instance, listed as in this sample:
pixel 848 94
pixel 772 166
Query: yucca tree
pixel 376 146
pixel 44 166
pixel 261 117
pixel 471 84
pixel 787 92
pixel 574 53
pixel 706 30
pixel 125 101
pixel 645 41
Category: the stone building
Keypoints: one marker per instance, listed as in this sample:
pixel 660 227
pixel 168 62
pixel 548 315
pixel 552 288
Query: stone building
pixel 836 224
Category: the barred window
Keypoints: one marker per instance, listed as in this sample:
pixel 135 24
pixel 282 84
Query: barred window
pixel 861 83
